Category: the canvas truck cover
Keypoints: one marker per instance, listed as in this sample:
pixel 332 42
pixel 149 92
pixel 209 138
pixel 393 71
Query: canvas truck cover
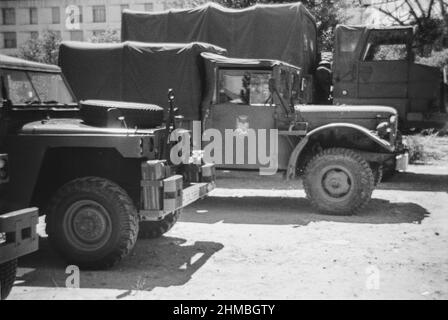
pixel 285 32
pixel 138 72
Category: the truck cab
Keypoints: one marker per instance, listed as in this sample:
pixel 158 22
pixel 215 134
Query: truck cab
pixel 376 65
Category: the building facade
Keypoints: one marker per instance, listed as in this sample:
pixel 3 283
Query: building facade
pixel 77 20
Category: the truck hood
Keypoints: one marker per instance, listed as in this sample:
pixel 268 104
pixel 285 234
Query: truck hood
pixel 366 116
pixel 77 126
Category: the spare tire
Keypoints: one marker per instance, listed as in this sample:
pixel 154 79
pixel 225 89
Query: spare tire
pixel 95 112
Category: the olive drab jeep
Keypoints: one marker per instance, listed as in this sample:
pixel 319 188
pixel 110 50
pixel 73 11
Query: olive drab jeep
pixel 100 171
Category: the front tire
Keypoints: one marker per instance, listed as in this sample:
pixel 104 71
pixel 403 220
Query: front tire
pixel 338 181
pixel 155 229
pixel 7 277
pixel 92 222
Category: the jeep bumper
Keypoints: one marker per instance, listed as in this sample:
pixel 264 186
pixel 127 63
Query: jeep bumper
pixel 18 235
pixel 401 162
pixel 163 193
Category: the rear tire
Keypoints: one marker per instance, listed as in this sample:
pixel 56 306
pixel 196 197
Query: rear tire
pixel 7 277
pixel 92 223
pixel 338 181
pixel 155 229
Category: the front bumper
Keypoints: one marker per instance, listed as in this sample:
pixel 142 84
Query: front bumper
pixel 163 193
pixel 18 230
pixel 402 162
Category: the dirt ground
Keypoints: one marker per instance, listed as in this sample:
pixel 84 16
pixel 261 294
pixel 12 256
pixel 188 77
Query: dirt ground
pixel 258 238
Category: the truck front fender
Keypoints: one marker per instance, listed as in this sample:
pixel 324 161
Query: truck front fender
pixel 377 144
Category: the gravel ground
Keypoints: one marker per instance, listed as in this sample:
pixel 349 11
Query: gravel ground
pixel 258 238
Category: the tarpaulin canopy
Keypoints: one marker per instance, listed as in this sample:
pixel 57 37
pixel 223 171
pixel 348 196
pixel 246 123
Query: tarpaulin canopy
pixel 138 72
pixel 284 32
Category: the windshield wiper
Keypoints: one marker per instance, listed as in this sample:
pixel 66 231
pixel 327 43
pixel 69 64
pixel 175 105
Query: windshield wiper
pixel 50 102
pixel 35 101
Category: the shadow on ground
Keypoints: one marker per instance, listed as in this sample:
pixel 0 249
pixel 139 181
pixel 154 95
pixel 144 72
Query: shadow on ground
pixel 163 262
pixel 405 181
pixel 296 211
pixel 411 181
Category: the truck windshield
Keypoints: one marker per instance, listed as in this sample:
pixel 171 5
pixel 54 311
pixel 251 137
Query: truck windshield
pixel 244 87
pixel 37 87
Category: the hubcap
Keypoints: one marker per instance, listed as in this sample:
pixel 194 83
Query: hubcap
pixel 87 224
pixel 336 182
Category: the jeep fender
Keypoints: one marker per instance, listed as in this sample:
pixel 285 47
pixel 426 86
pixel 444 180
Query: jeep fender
pixel 383 145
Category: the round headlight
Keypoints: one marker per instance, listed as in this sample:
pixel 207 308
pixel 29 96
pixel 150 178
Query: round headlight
pixel 393 119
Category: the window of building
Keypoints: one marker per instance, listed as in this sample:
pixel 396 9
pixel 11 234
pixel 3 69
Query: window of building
pixel 34 35
pixel 9 40
pixel 76 35
pixel 55 15
pixel 149 6
pixel 123 7
pixel 99 14
pixel 33 15
pixel 9 16
pixel 75 15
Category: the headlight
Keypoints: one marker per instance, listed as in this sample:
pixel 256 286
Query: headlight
pixel 393 119
pixel 383 130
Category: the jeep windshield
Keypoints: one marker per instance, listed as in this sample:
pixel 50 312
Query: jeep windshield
pixel 36 88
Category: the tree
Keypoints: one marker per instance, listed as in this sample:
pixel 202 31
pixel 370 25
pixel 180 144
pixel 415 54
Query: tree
pixel 429 16
pixel 328 13
pixel 44 49
pixel 108 36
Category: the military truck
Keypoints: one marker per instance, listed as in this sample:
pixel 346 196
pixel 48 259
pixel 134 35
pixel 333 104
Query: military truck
pixel 338 151
pixel 99 170
pixel 371 66
pixel 17 234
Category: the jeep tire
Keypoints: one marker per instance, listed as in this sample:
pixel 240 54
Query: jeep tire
pixel 92 223
pixel 338 181
pixel 7 277
pixel 155 229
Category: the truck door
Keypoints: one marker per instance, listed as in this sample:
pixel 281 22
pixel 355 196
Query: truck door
pixel 383 68
pixel 241 104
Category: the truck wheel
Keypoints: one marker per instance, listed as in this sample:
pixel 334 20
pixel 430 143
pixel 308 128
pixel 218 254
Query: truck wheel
pixel 7 277
pixel 338 181
pixel 92 223
pixel 155 229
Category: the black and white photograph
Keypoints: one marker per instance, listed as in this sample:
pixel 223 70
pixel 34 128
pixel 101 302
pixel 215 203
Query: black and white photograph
pixel 224 155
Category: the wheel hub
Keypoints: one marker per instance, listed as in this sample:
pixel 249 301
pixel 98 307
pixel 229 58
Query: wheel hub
pixel 336 183
pixel 88 224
